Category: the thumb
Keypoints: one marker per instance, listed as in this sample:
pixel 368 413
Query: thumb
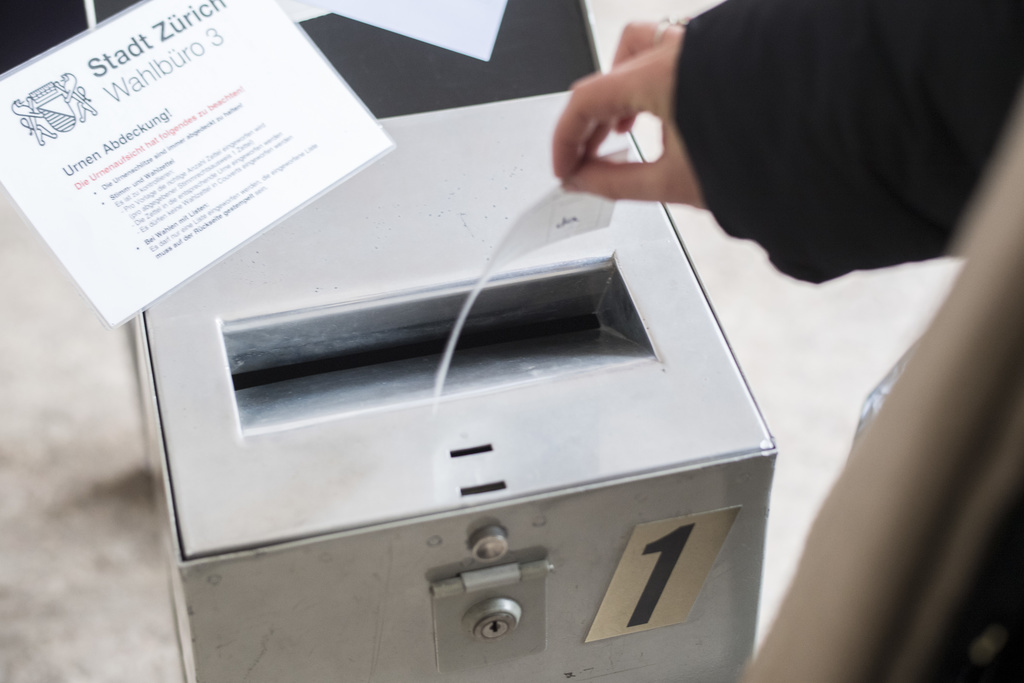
pixel 634 180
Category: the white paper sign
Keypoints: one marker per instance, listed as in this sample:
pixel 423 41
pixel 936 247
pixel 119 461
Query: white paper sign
pixel 466 26
pixel 149 148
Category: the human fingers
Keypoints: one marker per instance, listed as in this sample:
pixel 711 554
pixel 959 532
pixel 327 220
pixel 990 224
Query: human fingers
pixel 636 37
pixel 597 103
pixel 629 180
pixel 671 178
pixel 598 137
pixel 652 181
pixel 625 125
pixel 643 84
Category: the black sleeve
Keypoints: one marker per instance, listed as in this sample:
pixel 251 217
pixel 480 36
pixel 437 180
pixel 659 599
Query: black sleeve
pixel 846 134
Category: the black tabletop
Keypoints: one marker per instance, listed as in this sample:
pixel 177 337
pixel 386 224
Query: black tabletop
pixel 542 47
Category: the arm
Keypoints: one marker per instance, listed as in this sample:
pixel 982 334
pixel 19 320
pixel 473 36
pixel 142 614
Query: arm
pixel 846 134
pixel 839 134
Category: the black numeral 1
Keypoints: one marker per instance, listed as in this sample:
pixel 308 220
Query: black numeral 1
pixel 671 547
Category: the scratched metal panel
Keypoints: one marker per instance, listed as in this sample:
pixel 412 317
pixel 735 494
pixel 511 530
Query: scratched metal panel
pixel 356 606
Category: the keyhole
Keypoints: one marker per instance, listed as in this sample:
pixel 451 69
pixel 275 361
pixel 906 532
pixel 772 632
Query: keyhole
pixel 495 629
pixel 493 619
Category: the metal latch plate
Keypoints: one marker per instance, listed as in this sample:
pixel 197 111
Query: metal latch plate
pixel 456 645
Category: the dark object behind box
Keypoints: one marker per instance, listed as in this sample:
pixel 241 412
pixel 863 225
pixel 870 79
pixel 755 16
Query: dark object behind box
pixel 31 28
pixel 542 47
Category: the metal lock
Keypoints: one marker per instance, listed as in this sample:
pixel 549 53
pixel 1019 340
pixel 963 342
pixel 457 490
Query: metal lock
pixel 490 615
pixel 493 618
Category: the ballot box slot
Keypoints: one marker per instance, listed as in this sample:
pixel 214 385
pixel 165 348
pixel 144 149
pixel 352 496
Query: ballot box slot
pixel 305 366
pixel 469 340
pixel 476 450
pixel 483 488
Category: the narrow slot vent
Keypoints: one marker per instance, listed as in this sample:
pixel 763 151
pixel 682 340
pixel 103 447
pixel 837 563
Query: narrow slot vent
pixel 475 450
pixel 483 488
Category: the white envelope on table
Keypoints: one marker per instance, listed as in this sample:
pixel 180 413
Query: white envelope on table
pixel 466 26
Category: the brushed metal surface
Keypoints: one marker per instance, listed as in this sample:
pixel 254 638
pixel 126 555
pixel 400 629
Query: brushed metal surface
pixel 313 515
pixel 356 606
pixel 425 219
pixel 307 367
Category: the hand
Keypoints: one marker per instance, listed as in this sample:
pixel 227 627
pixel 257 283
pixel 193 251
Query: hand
pixel 642 78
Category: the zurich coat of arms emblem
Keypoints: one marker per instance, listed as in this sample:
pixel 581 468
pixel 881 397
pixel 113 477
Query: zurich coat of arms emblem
pixel 53 108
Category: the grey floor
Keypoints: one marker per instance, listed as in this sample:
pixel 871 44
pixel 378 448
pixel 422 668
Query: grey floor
pixel 83 591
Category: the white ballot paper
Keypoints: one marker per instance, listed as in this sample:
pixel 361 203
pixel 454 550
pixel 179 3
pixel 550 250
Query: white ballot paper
pixel 469 27
pixel 147 149
pixel 556 216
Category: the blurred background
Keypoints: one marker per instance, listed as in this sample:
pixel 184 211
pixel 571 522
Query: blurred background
pixel 83 587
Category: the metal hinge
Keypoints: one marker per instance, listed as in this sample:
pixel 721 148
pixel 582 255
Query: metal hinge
pixel 491 577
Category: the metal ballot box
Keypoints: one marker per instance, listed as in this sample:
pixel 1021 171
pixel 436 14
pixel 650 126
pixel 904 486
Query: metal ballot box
pixel 588 501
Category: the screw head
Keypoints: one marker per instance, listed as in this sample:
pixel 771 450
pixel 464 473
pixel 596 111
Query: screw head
pixel 489 543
